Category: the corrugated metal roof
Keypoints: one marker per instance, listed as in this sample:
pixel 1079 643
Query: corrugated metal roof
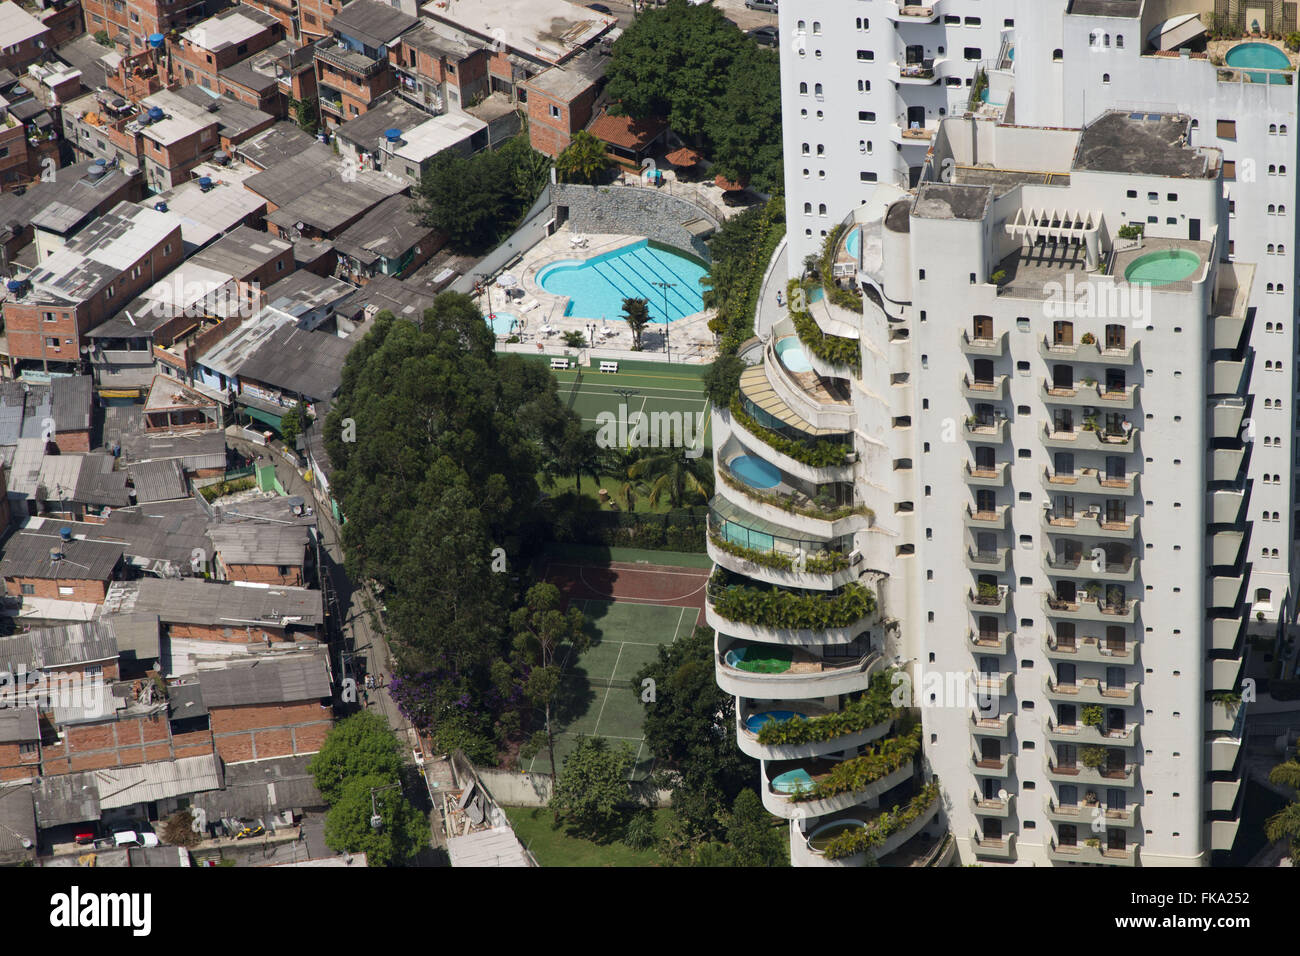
pixel 261 787
pixel 28 555
pixel 299 677
pixel 44 647
pixel 66 798
pixel 260 543
pixel 124 786
pixel 195 601
pixel 19 725
pixel 162 480
pixel 17 818
pixel 495 847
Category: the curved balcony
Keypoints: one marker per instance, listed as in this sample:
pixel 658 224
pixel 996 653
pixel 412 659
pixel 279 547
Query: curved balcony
pixel 1089 690
pixel 995 477
pixel 1090 353
pixel 986 432
pixel 1090 481
pixel 775 672
pixel 995 520
pixel 1086 736
pixel 921 136
pixel 1080 565
pixel 996 809
pixel 988 604
pixel 1093 777
pixel 1090 394
pixel 804 853
pixel 996 643
pixel 999 768
pixel 1090 439
pixel 749 714
pixel 1082 814
pixel 756 444
pixel 987 849
pixel 1090 609
pixel 1091 649
pixel 996 559
pixel 772 634
pixel 924 73
pixel 787 505
pixel 778 803
pixel 1098 855
pixel 995 347
pixel 985 390
pixel 1000 726
pixel 748 545
pixel 903 12
pixel 1091 524
pixel 818 401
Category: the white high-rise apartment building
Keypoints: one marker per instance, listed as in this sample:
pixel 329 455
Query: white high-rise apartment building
pixel 1054 442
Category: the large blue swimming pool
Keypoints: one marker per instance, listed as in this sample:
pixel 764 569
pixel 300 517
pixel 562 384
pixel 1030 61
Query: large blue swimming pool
pixel 1262 55
pixel 597 286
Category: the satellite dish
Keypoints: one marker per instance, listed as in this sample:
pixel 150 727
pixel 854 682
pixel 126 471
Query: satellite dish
pixel 1002 795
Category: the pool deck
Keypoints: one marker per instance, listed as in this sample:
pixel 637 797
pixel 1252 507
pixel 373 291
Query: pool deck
pixel 689 337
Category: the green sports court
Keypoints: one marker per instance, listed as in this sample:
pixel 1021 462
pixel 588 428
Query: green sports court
pixel 596 697
pixel 642 386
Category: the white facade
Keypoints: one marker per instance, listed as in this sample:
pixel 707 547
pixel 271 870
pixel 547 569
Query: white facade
pixel 1054 448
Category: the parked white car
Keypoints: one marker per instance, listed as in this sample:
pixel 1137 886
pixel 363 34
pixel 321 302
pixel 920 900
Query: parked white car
pixel 130 838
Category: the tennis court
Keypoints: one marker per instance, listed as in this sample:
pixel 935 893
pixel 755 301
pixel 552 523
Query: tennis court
pixel 650 387
pixel 596 695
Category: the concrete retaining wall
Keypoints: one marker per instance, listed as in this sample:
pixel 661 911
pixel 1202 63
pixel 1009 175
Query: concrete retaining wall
pixel 634 211
pixel 534 789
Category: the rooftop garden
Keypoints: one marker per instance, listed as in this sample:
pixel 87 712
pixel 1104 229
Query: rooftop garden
pixel 883 827
pixel 873 707
pixel 778 608
pixel 858 773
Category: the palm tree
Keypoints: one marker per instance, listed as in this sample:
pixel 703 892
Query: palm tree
pixel 667 471
pixel 1285 824
pixel 636 313
pixel 583 160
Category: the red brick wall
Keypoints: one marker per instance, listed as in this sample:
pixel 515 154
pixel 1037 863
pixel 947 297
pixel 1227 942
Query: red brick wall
pixel 73 441
pixel 262 573
pixel 27 52
pixel 14 165
pixel 15 765
pixel 121 743
pixel 255 634
pixel 91 592
pixel 258 731
pixel 316 16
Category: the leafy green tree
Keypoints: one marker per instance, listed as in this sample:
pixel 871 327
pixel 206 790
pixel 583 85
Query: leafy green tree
pixel 583 160
pixel 476 201
pixel 691 729
pixel 636 313
pixel 403 831
pixel 436 442
pixel 691 65
pixel 293 423
pixel 541 629
pixel 722 380
pixel 361 745
pixel 306 114
pixel 669 473
pixel 752 835
pixel 593 785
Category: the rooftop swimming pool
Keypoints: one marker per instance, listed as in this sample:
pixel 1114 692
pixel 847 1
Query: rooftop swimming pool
pixel 596 287
pixel 1164 267
pixel 853 242
pixel 820 838
pixel 1264 56
pixel 754 723
pixel 503 323
pixel 755 472
pixel 760 660
pixel 790 351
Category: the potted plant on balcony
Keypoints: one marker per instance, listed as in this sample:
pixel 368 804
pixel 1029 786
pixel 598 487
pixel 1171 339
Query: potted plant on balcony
pixel 1092 716
pixel 1094 758
pixel 1093 590
pixel 1115 598
pixel 1093 842
pixel 986 593
pixel 1088 339
pixel 1090 423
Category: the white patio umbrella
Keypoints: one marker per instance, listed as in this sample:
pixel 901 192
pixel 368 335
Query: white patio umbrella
pixel 507 281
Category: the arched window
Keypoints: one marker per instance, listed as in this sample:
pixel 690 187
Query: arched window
pixel 821 209
pixel 1105 77
pixel 1119 41
pixel 807 209
pixel 1272 129
pixel 803 89
pixel 817 89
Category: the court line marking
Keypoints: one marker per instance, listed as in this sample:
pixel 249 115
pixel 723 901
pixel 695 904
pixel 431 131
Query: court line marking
pixel 608 689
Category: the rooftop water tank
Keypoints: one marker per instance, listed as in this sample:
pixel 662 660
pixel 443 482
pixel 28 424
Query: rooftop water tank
pixel 97 169
pixel 14 285
pixel 156 40
pixel 101 162
pixel 65 534
pixel 205 183
pixel 393 135
pixel 155 114
pixel 221 157
pixel 160 206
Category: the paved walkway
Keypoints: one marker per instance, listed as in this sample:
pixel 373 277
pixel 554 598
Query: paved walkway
pixel 769 313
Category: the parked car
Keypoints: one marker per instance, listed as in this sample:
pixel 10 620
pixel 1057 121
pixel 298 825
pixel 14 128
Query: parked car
pixel 766 6
pixel 767 36
pixel 133 838
pixel 599 8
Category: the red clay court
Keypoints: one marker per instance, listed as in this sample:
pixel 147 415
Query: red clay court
pixel 622 582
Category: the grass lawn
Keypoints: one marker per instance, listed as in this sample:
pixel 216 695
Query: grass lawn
pixel 612 484
pixel 535 827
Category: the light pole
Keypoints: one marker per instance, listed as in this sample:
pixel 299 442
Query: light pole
pixel 665 286
pixel 376 821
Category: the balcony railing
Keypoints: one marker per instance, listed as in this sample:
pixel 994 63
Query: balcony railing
pixel 1090 481
pixel 995 477
pixel 1090 649
pixel 1089 690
